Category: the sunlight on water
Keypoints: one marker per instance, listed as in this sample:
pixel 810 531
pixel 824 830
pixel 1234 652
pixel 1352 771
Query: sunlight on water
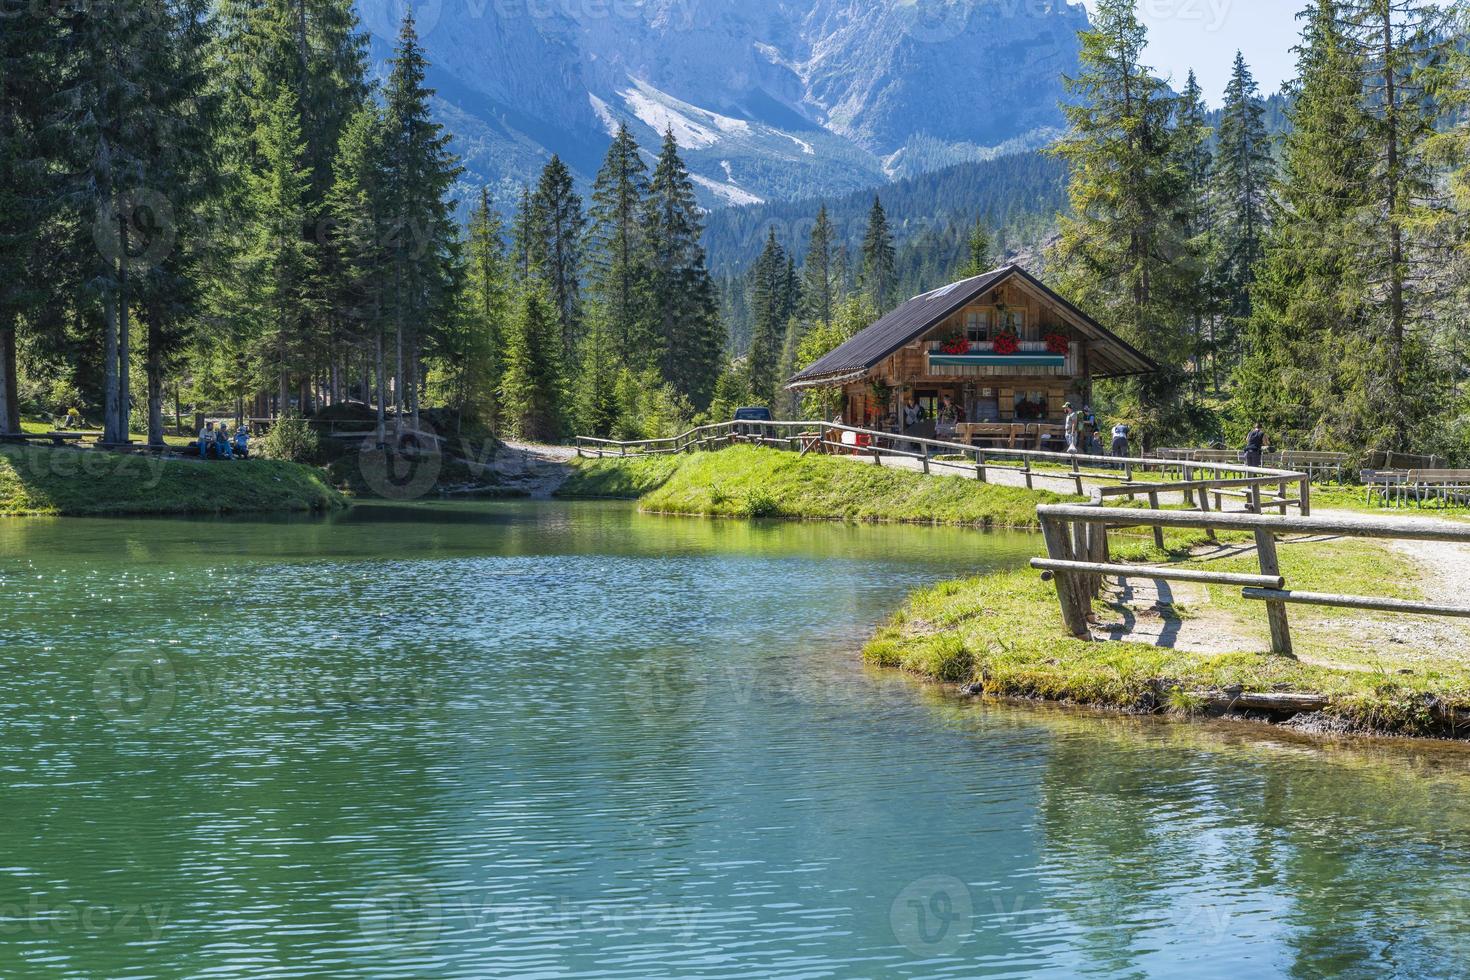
pixel 520 740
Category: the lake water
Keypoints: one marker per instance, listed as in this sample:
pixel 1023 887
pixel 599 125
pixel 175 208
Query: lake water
pixel 545 740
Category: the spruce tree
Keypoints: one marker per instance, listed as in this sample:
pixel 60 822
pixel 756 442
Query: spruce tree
pixel 681 295
pixel 770 307
pixel 617 255
pixel 1396 41
pixel 818 289
pixel 978 248
pixel 422 254
pixel 280 265
pixel 558 222
pixel 487 284
pixel 880 271
pixel 1195 164
pixel 1121 247
pixel 595 399
pixel 1241 196
pixel 30 60
pixel 1307 366
pixel 530 389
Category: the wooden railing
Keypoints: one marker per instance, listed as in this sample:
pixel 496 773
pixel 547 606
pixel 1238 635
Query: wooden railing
pixel 1078 559
pixel 1256 488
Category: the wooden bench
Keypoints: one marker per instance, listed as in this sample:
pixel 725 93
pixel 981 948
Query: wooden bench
pixel 1446 486
pixel 1389 486
pixel 55 438
pixel 1317 465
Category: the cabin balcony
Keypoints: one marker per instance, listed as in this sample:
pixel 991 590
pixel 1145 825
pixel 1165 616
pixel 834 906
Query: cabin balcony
pixel 981 360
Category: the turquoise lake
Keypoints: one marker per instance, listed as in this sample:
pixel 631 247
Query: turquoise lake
pixel 569 740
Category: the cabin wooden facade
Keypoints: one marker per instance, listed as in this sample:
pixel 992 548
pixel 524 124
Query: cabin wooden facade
pixel 998 351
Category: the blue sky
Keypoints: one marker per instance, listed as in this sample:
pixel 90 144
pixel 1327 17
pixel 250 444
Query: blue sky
pixel 1205 34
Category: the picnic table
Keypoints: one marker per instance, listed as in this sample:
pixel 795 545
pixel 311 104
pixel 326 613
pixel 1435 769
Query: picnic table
pixel 1400 488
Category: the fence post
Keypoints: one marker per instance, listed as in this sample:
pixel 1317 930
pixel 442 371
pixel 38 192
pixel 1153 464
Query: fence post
pixel 1204 507
pixel 1059 547
pixel 1306 504
pixel 1027 471
pixel 980 466
pixel 1153 503
pixel 1077 474
pixel 877 457
pixel 1275 611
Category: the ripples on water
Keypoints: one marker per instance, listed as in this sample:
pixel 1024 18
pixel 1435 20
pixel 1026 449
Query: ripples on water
pixel 547 741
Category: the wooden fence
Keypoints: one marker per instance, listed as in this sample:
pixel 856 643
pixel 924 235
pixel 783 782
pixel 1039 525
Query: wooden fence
pixel 1254 488
pixel 1078 559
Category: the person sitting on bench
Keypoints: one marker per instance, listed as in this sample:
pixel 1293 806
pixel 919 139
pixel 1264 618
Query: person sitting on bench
pixel 242 441
pixel 206 439
pixel 222 442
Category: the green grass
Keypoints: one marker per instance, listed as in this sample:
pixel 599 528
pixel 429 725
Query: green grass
pixel 1003 631
pixel 623 479
pixel 72 482
pixel 744 481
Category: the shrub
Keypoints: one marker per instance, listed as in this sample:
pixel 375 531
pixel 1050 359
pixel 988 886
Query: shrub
pixel 291 439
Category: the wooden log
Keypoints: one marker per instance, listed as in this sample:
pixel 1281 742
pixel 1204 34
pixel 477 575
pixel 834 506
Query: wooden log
pixel 1059 547
pixel 1163 573
pixel 1275 611
pixel 1408 530
pixel 1355 602
pixel 1276 703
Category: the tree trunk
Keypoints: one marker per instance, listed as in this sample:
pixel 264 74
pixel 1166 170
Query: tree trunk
pixel 398 390
pixel 1397 419
pixel 9 410
pixel 109 368
pixel 154 370
pixel 382 394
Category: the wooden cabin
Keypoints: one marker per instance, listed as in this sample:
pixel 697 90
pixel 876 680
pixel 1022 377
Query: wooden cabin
pixel 990 360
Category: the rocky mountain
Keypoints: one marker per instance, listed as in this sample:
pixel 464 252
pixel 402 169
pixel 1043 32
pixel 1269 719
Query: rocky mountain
pixel 770 99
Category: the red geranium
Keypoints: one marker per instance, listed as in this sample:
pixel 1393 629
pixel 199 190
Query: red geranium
pixel 955 345
pixel 1057 344
pixel 1007 343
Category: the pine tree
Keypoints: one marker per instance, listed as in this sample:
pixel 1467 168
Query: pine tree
pixel 618 253
pixel 530 389
pixel 1395 40
pixel 681 295
pixel 595 399
pixel 280 264
pixel 979 250
pixel 1121 247
pixel 1306 367
pixel 524 261
pixel 29 57
pixel 358 208
pixel 818 289
pixel 770 305
pixel 879 272
pixel 486 304
pixel 558 222
pixel 1241 196
pixel 1195 164
pixel 420 170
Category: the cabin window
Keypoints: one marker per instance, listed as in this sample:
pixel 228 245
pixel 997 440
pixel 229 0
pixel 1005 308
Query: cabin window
pixel 1013 321
pixel 1031 406
pixel 985 406
pixel 977 326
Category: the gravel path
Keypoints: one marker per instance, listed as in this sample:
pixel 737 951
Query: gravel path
pixel 535 470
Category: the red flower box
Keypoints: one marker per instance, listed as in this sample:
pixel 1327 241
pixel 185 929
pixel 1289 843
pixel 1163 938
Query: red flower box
pixel 956 345
pixel 1057 344
pixel 1007 343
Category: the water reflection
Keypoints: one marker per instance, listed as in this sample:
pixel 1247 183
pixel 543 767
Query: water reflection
pixel 520 740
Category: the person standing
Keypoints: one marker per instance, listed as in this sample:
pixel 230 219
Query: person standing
pixel 1121 432
pixel 1255 445
pixel 1073 428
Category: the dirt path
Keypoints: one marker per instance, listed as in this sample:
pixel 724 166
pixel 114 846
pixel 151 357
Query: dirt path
pixel 534 470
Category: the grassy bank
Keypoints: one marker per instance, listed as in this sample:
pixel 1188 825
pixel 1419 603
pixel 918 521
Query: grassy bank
pixel 1002 634
pixel 71 482
pixel 744 481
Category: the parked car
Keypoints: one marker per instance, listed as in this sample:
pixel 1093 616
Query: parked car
pixel 750 415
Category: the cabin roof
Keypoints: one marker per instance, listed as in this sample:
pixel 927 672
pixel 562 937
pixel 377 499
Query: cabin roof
pixel 1110 355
